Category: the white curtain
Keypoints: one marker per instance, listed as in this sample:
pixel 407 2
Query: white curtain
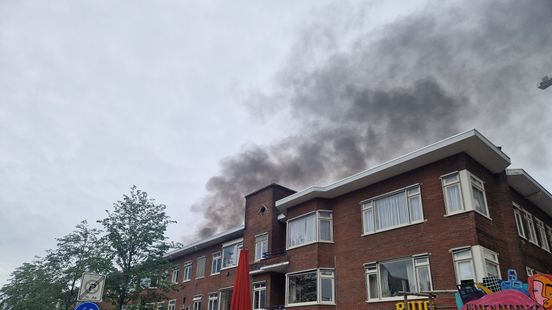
pixel 391 211
pixel 411 277
pixel 453 198
pixel 415 208
pixel 302 230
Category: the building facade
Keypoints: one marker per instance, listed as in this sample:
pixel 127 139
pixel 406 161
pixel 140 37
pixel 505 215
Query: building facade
pixel 422 222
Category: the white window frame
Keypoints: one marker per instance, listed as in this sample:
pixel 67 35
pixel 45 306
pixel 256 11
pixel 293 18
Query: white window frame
pixel 238 244
pixel 175 272
pixel 368 205
pixel 317 225
pixel 216 260
pixel 541 231
pixel 374 268
pixel 532 233
pixel 224 289
pixel 261 246
pixel 549 234
pixel 187 274
pixel 160 305
pixel 466 181
pixel 196 302
pixel 519 220
pixel 457 260
pixel 318 287
pixel 171 305
pixel 259 288
pixel 213 302
pixel 479 257
pixel 200 271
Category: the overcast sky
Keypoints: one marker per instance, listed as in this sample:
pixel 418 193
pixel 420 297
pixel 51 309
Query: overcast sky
pixel 181 97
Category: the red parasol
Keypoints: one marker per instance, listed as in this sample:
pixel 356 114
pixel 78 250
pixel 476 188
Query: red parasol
pixel 241 296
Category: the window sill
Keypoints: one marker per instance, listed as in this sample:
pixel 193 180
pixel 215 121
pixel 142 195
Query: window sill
pixel 184 281
pixel 466 211
pixel 305 244
pixel 314 303
pixel 394 227
pixel 200 277
pixel 397 298
pixel 215 274
pixel 229 267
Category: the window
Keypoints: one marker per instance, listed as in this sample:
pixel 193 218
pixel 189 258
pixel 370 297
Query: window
pixel 187 271
pixel 225 298
pixel 392 210
pixel 385 279
pixel 530 227
pixel 475 263
pixel 200 272
pixel 149 306
pixel 519 221
pixel 463 264
pixel 310 228
pixel 314 287
pixel 172 304
pixel 197 303
pixel 261 246
pixel 160 305
pixel 463 191
pixel 453 193
pixel 175 274
pixel 259 296
pixel 230 254
pixel 543 238
pixel 549 233
pixel 213 302
pixel 216 263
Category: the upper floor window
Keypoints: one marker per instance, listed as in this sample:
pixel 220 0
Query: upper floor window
pixel 542 235
pixel 310 228
pixel 230 253
pixel 213 302
pixel 395 209
pixel 519 221
pixel 530 227
pixel 197 303
pixel 216 263
pixel 200 271
pixel 175 274
pixel 463 191
pixel 385 279
pixel 187 271
pixel 172 304
pixel 261 246
pixel 312 287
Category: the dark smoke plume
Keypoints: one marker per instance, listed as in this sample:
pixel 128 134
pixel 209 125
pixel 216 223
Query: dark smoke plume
pixel 366 99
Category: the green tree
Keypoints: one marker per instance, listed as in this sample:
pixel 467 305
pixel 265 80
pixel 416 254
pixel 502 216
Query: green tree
pixel 76 253
pixel 135 241
pixel 31 286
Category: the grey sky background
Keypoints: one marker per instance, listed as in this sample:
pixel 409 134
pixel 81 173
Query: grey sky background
pixel 198 103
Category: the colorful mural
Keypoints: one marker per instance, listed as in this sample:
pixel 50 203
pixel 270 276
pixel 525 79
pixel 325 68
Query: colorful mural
pixel 506 294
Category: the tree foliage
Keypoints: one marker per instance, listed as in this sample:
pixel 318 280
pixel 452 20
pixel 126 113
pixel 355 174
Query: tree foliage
pixel 130 249
pixel 135 242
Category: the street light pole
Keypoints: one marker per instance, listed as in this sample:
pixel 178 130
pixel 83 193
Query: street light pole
pixel 545 83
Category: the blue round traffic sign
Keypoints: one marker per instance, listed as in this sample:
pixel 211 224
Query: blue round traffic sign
pixel 87 306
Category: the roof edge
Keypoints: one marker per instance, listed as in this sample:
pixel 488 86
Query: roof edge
pixel 223 236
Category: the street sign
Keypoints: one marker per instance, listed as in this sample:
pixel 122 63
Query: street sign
pixel 87 306
pixel 91 288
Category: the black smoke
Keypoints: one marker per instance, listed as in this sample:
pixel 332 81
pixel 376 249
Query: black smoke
pixel 359 101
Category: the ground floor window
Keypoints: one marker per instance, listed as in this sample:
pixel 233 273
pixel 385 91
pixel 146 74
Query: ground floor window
pixel 213 302
pixel 225 298
pixel 172 304
pixel 259 296
pixel 315 286
pixel 197 303
pixel 388 278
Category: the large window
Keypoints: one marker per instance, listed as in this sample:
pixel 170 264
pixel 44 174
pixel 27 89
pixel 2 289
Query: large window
pixel 315 286
pixel 386 279
pixel 475 263
pixel 543 238
pixel 216 263
pixel 392 210
pixel 225 298
pixel 187 271
pixel 200 271
pixel 530 227
pixel 259 296
pixel 313 227
pixel 230 253
pixel 213 302
pixel 463 191
pixel 261 246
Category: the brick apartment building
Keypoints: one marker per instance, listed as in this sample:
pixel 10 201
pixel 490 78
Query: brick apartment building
pixel 426 220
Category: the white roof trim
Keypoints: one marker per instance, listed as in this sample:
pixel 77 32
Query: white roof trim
pixel 532 190
pixel 471 142
pixel 217 238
